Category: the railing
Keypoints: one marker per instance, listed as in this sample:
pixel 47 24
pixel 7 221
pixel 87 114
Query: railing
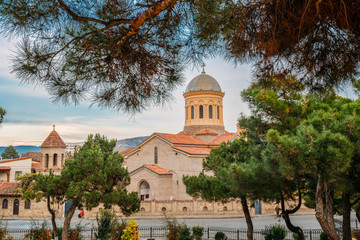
pixel 159 232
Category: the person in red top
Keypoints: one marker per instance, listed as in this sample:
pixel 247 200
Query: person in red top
pixel 81 214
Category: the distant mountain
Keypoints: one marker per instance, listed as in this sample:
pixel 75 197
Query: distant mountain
pixel 130 142
pixel 125 143
pixel 23 149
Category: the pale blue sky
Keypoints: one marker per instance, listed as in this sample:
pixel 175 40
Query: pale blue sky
pixel 31 113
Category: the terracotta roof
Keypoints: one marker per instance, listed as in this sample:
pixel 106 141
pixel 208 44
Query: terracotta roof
pixel 181 138
pixel 33 155
pixel 158 170
pixel 223 138
pixel 194 150
pixel 8 188
pixel 36 166
pixel 53 141
pixel 15 159
pixel 206 131
pixel 126 151
pixel 5 168
pixel 55 168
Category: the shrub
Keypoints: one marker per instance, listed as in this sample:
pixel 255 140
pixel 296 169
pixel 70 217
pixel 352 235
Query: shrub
pixel 323 236
pixel 38 232
pixel 198 232
pixel 2 234
pixel 185 233
pixel 106 222
pixel 173 226
pixel 297 237
pixel 220 236
pixel 131 231
pixel 277 232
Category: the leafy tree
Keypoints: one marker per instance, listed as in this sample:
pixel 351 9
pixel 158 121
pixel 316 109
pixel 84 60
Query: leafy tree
pixel 118 54
pixel 227 179
pixel 324 149
pixel 9 153
pixel 2 114
pixel 318 41
pixel 93 175
pixel 40 186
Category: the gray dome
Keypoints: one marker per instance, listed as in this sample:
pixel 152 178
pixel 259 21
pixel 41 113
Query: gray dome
pixel 203 82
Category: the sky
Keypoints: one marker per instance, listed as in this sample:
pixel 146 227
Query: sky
pixel 31 112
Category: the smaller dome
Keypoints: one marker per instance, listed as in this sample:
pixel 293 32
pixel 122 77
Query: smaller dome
pixel 203 82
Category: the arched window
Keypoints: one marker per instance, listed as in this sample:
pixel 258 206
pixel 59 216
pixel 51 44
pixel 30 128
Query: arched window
pixel 163 209
pixel 62 160
pixel 46 160
pixel 184 209
pixel 144 191
pixel 210 111
pixel 155 155
pixel 218 112
pixel 27 204
pixel 192 112
pixel 55 160
pixel 201 111
pixel 5 204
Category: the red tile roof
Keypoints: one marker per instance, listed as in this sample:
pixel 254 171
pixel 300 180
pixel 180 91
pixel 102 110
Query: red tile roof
pixel 195 150
pixel 15 159
pixel 53 141
pixel 206 131
pixel 5 168
pixel 126 151
pixel 157 169
pixel 223 138
pixel 8 188
pixel 181 138
pixel 36 166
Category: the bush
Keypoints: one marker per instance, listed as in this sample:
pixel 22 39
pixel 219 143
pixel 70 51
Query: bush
pixel 297 237
pixel 106 222
pixel 198 232
pixel 323 236
pixel 220 236
pixel 277 232
pixel 38 232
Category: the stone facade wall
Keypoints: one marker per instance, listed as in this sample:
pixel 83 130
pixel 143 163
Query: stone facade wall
pixel 37 209
pixel 177 163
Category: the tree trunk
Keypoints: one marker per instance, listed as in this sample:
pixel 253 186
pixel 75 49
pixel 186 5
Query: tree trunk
pixel 67 221
pixel 53 216
pixel 346 216
pixel 286 216
pixel 325 214
pixel 250 227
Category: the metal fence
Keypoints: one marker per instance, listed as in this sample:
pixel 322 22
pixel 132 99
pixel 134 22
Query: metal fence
pixel 158 232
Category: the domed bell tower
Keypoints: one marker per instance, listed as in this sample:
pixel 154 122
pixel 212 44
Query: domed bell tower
pixel 204 107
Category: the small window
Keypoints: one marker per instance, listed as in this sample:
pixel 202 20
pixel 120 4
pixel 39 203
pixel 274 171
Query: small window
pixel 55 160
pixel 27 204
pixel 155 155
pixel 210 112
pixel 201 111
pixel 184 209
pixel 218 112
pixel 142 209
pixel 163 209
pixel 205 208
pixel 5 204
pixel 225 208
pixel 18 174
pixel 192 112
pixel 47 161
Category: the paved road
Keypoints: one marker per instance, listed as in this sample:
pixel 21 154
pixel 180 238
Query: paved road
pixel 305 221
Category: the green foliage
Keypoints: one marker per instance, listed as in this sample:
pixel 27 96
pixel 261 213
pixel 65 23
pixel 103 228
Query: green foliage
pixel 2 114
pixel 277 232
pixel 198 232
pixel 185 233
pixel 106 223
pixel 9 153
pixel 174 228
pixel 220 236
pixel 38 232
pixel 323 236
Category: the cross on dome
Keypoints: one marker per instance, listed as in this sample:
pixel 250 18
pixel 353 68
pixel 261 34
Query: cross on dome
pixel 203 66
